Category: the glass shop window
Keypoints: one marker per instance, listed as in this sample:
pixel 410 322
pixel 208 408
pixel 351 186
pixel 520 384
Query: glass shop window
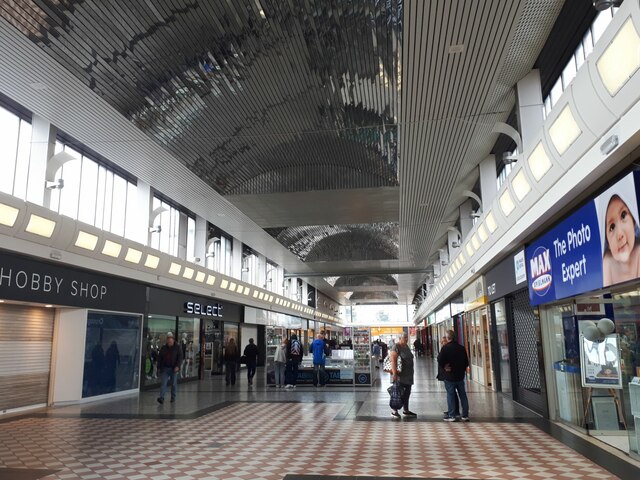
pixel 112 353
pixel 15 152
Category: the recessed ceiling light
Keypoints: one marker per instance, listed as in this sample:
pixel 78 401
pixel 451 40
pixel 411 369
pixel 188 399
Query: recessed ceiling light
pixel 459 48
pixel 48 306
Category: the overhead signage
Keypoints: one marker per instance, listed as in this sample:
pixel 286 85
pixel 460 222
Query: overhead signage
pixel 595 247
pixel 506 276
pixel 474 295
pixel 29 280
pixel 195 308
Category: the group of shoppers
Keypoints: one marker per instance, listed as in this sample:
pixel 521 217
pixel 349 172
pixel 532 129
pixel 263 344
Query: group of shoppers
pixel 453 363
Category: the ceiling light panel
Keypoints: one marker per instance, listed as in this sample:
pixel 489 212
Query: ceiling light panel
pixel 40 226
pixel 564 130
pixel 151 261
pixel 188 273
pixel 520 185
pixel 111 249
pixel 200 277
pixel 211 279
pixel 86 241
pixel 174 268
pixel 506 203
pixel 133 255
pixel 621 59
pixel 539 162
pixel 8 215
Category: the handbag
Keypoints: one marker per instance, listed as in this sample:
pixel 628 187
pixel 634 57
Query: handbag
pixel 386 366
pixel 395 396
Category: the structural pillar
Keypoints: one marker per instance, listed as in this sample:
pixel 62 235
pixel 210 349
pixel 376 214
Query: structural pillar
pixel 529 107
pixel 201 241
pixel 488 181
pixel 236 259
pixel 466 221
pixel 43 146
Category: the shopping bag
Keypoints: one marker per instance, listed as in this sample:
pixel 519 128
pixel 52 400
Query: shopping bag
pixel 395 396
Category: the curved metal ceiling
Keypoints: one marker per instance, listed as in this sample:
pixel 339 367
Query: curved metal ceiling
pixel 247 93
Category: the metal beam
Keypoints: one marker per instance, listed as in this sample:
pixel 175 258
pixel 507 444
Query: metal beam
pixel 351 273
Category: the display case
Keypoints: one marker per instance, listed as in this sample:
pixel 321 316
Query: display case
pixel 362 356
pixel 339 366
pixel 273 338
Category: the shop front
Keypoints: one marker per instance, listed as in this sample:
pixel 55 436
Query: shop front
pixel 515 330
pixel 74 334
pixel 476 330
pixel 201 326
pixel 583 275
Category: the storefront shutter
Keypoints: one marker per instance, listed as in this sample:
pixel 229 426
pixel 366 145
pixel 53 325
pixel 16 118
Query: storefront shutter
pixel 26 335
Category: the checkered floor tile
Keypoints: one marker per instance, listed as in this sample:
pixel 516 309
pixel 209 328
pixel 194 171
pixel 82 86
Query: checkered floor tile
pixel 266 441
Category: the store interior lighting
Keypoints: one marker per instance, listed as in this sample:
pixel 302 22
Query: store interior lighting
pixel 621 59
pixel 564 131
pixel 8 215
pixel 539 162
pixel 40 226
pixel 520 185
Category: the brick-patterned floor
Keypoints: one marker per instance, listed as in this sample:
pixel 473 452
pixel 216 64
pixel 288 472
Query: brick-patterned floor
pixel 254 441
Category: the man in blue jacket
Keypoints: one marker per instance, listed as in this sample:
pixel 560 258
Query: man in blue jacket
pixel 319 373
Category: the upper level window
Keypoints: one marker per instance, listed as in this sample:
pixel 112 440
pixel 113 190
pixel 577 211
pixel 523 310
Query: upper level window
pixel 15 152
pixel 173 230
pixel 274 278
pixel 581 53
pixel 220 251
pixel 251 267
pixel 95 194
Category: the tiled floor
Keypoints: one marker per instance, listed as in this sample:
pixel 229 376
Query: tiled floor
pixel 269 434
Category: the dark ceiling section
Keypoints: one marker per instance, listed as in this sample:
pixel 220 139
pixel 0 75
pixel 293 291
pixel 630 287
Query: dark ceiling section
pixel 365 281
pixel 374 297
pixel 572 23
pixel 255 96
pixel 325 243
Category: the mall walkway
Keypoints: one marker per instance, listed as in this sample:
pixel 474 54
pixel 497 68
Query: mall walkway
pixel 245 433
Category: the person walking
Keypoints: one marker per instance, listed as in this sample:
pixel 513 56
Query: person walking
pixel 318 352
pixel 405 376
pixel 417 347
pixel 251 355
pixel 454 362
pixel 280 363
pixel 294 357
pixel 376 351
pixel 169 361
pixel 231 361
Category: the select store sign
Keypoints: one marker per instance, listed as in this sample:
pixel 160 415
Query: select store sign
pixel 27 280
pixel 597 246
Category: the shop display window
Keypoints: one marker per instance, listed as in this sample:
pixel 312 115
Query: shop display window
pixel 597 382
pixel 112 354
pixel 188 335
pixel 155 336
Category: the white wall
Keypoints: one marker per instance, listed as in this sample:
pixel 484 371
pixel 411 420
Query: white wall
pixel 67 367
pixel 247 332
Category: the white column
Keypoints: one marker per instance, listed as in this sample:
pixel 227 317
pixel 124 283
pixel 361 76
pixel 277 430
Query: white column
pixel 236 271
pixel 466 222
pixel 262 275
pixel 305 292
pixel 43 145
pixel 143 212
pixel 488 181
pixel 201 240
pixel 453 242
pixel 530 105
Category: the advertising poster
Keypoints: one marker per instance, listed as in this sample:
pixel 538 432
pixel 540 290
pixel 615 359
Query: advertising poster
pixel 601 362
pixel 596 246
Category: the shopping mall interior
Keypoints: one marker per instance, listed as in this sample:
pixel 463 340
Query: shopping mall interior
pixel 320 239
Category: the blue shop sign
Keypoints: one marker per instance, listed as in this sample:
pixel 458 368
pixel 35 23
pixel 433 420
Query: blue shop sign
pixel 595 247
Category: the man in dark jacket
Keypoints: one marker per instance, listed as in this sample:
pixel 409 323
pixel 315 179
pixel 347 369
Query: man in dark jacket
pixel 169 361
pixel 454 362
pixel 251 355
pixel 294 357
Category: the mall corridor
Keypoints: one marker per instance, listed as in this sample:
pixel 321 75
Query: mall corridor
pixel 241 433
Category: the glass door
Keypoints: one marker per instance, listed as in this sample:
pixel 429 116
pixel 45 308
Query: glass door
pixel 502 342
pixel 485 362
